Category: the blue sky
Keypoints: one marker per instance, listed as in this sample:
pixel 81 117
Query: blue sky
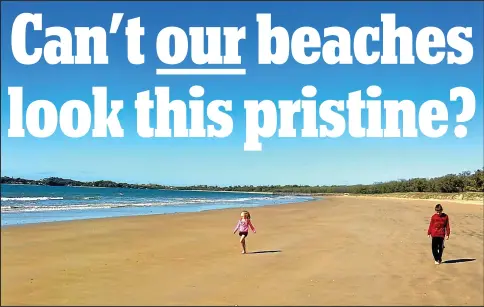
pixel 184 161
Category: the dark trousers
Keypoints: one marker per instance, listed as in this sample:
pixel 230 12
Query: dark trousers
pixel 437 248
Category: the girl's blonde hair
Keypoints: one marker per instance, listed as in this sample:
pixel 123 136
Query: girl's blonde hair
pixel 245 214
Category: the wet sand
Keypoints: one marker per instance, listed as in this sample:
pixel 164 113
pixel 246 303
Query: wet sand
pixel 336 251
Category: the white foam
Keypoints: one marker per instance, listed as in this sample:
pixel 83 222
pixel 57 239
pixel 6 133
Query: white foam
pixel 149 203
pixel 30 198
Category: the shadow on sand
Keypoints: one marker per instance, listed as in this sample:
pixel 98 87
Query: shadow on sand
pixel 458 260
pixel 265 252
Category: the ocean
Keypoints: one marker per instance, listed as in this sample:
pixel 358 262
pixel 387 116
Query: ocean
pixel 26 204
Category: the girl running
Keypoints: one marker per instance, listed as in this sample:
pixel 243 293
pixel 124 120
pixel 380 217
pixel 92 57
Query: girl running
pixel 243 226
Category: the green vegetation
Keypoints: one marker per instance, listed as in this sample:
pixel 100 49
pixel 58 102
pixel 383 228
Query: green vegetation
pixel 451 183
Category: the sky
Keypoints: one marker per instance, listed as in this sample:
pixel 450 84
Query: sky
pixel 223 161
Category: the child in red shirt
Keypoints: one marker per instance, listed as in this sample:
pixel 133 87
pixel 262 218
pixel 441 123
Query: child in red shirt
pixel 439 229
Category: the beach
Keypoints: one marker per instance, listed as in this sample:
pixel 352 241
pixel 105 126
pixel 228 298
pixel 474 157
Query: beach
pixel 333 251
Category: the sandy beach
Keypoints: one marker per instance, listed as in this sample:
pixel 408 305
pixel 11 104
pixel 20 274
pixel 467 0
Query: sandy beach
pixel 335 251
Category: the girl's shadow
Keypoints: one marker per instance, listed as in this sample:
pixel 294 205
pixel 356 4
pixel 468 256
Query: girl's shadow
pixel 458 260
pixel 265 252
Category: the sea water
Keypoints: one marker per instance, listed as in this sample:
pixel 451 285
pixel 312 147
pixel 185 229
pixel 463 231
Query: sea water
pixel 25 204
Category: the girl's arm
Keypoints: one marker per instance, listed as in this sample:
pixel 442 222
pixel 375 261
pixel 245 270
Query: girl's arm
pixel 430 225
pixel 251 226
pixel 237 226
pixel 447 227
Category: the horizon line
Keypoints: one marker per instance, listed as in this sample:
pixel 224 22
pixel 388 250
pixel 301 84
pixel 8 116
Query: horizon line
pixel 201 71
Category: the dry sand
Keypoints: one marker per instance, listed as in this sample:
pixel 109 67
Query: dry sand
pixel 337 251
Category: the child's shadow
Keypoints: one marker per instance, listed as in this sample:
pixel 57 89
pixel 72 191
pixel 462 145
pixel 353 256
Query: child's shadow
pixel 265 252
pixel 458 260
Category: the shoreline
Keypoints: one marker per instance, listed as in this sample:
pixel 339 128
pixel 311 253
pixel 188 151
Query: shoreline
pixel 109 218
pixel 153 214
pixel 194 259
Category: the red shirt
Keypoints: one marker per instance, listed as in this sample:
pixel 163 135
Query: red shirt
pixel 439 225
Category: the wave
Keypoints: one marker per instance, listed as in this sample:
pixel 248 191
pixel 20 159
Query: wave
pixel 36 208
pixel 42 198
pixel 187 200
pixel 177 202
pixel 30 198
pixel 40 208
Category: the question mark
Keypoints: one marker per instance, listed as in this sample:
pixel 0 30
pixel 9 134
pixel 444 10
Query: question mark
pixel 468 108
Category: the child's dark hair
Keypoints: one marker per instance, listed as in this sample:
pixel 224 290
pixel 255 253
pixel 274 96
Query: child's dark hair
pixel 439 208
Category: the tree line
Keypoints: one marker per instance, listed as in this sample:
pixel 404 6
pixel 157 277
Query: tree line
pixel 452 183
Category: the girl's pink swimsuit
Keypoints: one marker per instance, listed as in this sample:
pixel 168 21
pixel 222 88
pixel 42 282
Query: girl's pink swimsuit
pixel 243 226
